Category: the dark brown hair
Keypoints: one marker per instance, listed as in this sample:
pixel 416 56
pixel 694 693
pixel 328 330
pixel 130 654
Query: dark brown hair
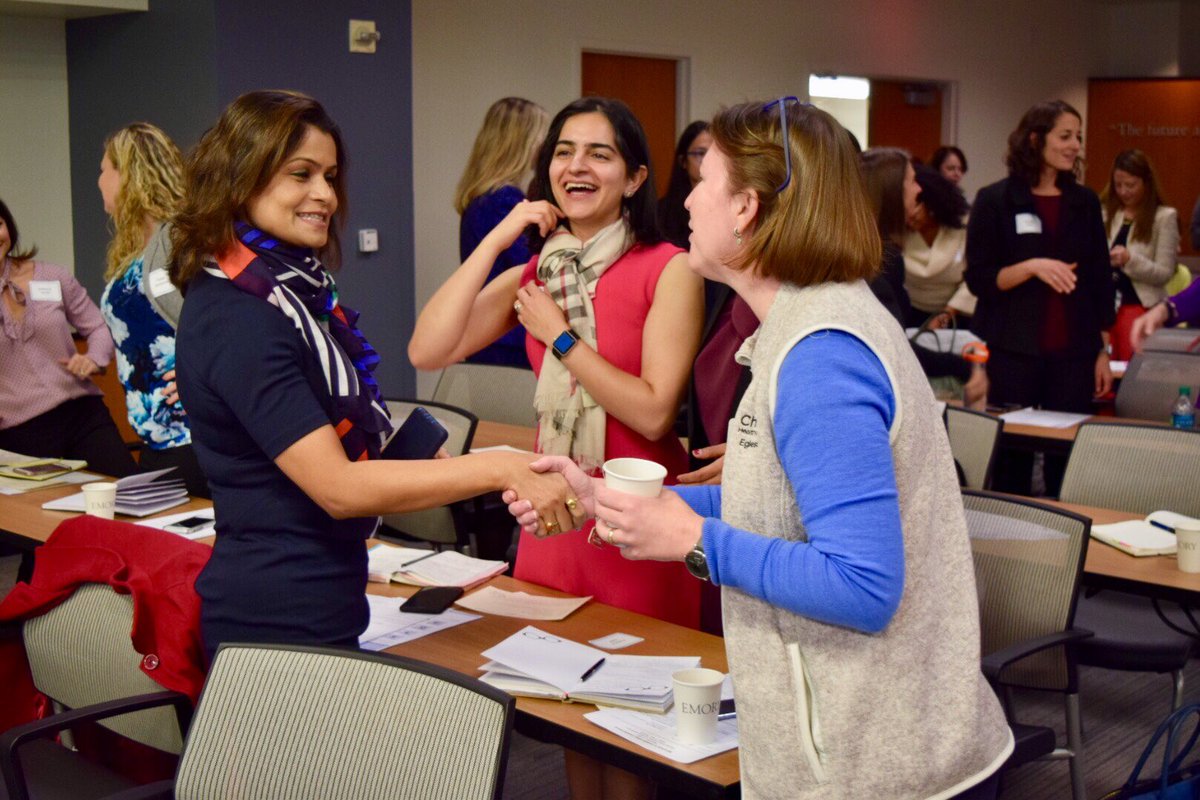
pixel 234 161
pixel 883 174
pixel 819 228
pixel 1137 164
pixel 14 254
pixel 945 151
pixel 1026 143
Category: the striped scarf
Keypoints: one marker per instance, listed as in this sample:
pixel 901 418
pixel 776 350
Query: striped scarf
pixel 570 422
pixel 293 280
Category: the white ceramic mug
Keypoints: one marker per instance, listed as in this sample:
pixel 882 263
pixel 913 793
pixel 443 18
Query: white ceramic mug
pixel 100 499
pixel 697 702
pixel 634 476
pixel 1187 546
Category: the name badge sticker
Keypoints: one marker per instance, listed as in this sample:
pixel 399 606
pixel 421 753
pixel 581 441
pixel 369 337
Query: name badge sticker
pixel 160 283
pixel 45 291
pixel 1028 223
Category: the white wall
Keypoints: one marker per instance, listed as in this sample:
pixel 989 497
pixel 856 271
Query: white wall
pixel 1002 57
pixel 35 160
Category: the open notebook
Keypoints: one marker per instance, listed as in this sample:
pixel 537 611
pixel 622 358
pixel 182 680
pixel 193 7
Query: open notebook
pixel 1152 536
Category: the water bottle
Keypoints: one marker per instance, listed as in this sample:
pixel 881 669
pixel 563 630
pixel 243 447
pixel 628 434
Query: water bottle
pixel 1183 413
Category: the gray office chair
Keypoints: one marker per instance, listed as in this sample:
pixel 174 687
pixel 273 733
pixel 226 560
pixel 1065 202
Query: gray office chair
pixel 1028 560
pixel 1140 469
pixel 491 392
pixel 973 438
pixel 81 657
pixel 445 526
pixel 1151 383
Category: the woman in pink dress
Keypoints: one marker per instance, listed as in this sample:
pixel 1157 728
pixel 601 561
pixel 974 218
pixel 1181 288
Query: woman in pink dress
pixel 613 318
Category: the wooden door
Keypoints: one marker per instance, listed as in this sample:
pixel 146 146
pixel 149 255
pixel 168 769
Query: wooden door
pixel 646 85
pixel 905 114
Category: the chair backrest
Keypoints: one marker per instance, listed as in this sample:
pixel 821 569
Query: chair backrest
pixel 437 525
pixel 1028 559
pixel 308 722
pixel 973 437
pixel 1151 383
pixel 491 392
pixel 1135 468
pixel 80 654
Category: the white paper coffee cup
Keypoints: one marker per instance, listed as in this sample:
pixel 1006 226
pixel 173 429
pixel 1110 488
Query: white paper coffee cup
pixel 100 499
pixel 634 476
pixel 1187 546
pixel 697 701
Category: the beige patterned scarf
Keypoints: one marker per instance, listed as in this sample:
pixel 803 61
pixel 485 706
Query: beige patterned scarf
pixel 570 422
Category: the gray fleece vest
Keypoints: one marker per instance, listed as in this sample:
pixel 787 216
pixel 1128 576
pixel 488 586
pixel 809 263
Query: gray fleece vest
pixel 825 711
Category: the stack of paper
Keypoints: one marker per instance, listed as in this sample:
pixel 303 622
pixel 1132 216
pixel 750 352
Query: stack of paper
pixel 15 469
pixel 137 495
pixel 533 663
pixel 1152 536
pixel 425 568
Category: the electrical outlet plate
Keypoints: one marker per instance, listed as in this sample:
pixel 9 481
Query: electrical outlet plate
pixel 358 42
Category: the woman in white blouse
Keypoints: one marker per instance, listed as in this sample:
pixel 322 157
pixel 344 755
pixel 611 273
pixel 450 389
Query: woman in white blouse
pixel 1143 240
pixel 935 254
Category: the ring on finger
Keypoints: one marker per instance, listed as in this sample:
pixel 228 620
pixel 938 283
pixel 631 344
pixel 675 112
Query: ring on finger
pixel 518 306
pixel 610 537
pixel 572 505
pixel 552 526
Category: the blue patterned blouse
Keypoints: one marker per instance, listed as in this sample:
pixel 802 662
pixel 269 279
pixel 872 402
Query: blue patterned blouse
pixel 145 351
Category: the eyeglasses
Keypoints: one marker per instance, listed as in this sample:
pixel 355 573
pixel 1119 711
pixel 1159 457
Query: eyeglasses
pixel 697 153
pixel 783 126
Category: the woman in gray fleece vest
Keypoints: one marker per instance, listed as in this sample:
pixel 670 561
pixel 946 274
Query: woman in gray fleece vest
pixel 838 537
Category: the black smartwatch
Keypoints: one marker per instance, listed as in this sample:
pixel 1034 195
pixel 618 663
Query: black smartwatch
pixel 563 344
pixel 696 562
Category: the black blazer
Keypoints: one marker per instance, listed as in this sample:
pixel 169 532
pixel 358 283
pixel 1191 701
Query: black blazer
pixel 1010 320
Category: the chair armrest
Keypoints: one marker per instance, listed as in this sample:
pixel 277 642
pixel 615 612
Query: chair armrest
pixel 995 663
pixel 13 738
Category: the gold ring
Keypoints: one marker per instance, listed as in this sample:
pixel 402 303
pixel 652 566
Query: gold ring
pixel 552 526
pixel 610 537
pixel 518 306
pixel 572 505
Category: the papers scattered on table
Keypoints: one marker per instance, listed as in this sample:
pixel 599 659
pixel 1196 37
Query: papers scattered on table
pixel 415 567
pixel 1152 536
pixel 534 663
pixel 137 495
pixel 161 523
pixel 656 733
pixel 521 605
pixel 390 626
pixel 616 641
pixel 18 483
pixel 1043 418
pixel 10 486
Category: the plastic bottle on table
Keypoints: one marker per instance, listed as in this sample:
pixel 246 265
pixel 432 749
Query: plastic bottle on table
pixel 1183 413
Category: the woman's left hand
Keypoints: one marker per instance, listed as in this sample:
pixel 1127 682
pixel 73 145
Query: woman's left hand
pixel 1118 257
pixel 171 390
pixel 662 528
pixel 79 365
pixel 1104 376
pixel 581 484
pixel 540 315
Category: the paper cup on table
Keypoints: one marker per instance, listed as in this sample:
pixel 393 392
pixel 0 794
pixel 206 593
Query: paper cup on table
pixel 697 701
pixel 100 499
pixel 634 476
pixel 1187 546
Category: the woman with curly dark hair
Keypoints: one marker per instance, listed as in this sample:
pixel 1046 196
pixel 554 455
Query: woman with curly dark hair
pixel 1037 259
pixel 935 253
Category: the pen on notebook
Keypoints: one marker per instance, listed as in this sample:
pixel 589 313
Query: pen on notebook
pixel 592 670
pixel 1162 525
pixel 415 560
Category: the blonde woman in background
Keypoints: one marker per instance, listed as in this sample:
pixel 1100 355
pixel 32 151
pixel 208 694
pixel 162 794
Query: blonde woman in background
pixel 494 181
pixel 1143 236
pixel 141 184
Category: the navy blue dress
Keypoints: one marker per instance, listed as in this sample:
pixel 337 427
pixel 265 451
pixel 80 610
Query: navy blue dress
pixel 282 570
pixel 484 213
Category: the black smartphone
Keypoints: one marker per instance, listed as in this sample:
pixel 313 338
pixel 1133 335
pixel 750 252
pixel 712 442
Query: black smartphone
pixel 432 599
pixel 421 436
pixel 189 525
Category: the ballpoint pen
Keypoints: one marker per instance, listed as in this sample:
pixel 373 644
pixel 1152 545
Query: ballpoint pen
pixel 592 670
pixel 406 564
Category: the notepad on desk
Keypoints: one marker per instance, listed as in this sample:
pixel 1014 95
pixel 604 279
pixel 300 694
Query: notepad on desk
pixel 137 495
pixel 416 567
pixel 1152 536
pixel 533 663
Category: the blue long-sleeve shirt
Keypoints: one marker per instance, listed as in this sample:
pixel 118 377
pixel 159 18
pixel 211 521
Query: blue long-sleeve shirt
pixel 834 408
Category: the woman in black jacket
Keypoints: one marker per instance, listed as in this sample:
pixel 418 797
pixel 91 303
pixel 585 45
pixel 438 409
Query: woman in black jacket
pixel 1037 259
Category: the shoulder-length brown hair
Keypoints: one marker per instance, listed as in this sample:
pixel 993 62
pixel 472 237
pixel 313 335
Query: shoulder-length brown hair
pixel 1026 143
pixel 15 253
pixel 819 227
pixel 234 161
pixel 1137 164
pixel 883 174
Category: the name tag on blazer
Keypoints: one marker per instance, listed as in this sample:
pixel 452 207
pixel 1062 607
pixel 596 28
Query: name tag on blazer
pixel 160 283
pixel 46 291
pixel 1028 223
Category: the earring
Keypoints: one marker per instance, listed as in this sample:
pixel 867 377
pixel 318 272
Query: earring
pixel 628 195
pixel 737 235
